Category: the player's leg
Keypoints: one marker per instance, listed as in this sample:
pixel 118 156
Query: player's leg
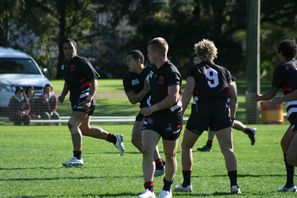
pixel 291 152
pixel 170 149
pixel 189 139
pixel 159 163
pixel 137 142
pixel 251 132
pixel 74 122
pixel 207 147
pixel 290 170
pixel 224 137
pixel 150 139
pixel 136 135
pixel 88 130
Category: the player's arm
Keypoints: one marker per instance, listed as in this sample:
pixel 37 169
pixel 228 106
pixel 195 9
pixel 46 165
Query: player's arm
pixel 278 80
pixel 188 92
pixel 285 98
pixel 233 99
pixel 172 97
pixel 137 97
pixel 64 93
pixel 268 95
pixel 93 89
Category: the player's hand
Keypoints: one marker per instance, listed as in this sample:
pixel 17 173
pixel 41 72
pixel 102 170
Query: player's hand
pixel 277 100
pixel 86 104
pixel 258 97
pixel 232 122
pixel 146 86
pixel 61 98
pixel 146 111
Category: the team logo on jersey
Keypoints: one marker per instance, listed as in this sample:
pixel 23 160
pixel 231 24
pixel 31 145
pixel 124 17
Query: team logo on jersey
pixel 161 80
pixel 135 82
pixel 72 67
pixel 177 129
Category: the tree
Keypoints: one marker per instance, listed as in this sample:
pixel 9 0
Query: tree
pixel 9 10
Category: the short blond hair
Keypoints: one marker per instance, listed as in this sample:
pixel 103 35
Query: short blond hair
pixel 206 50
pixel 160 44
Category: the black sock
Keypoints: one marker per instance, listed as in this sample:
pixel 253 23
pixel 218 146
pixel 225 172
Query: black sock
pixel 187 178
pixel 209 143
pixel 149 185
pixel 77 154
pixel 167 184
pixel 233 177
pixel 111 138
pixel 159 163
pixel 290 173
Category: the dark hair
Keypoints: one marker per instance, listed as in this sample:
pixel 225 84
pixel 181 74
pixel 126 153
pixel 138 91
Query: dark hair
pixel 69 40
pixel 137 54
pixel 287 48
pixel 48 85
pixel 27 90
pixel 19 89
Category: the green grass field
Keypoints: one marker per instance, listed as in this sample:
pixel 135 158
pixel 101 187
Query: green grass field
pixel 31 158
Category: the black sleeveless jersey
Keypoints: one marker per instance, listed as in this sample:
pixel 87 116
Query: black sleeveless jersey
pixel 285 77
pixel 135 82
pixel 211 82
pixel 78 74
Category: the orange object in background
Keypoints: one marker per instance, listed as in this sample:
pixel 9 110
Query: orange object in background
pixel 272 113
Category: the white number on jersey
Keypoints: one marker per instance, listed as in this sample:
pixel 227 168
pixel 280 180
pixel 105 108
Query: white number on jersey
pixel 212 77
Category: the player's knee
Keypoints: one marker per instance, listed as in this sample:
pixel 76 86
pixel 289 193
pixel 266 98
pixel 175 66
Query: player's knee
pixel 69 125
pixel 170 158
pixel 186 146
pixel 292 159
pixel 147 150
pixel 72 127
pixel 135 141
pixel 85 130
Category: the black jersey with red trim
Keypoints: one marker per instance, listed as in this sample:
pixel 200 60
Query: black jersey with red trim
pixel 160 79
pixel 211 81
pixel 285 77
pixel 135 82
pixel 78 75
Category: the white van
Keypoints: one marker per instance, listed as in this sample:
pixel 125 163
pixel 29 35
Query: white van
pixel 18 69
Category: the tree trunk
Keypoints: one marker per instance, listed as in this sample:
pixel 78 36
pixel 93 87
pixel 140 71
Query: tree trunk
pixel 61 7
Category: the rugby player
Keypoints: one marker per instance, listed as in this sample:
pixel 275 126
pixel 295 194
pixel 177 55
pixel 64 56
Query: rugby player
pixel 137 91
pixel 163 118
pixel 285 78
pixel 211 86
pixel 81 81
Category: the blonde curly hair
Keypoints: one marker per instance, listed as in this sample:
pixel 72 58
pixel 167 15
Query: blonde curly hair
pixel 206 50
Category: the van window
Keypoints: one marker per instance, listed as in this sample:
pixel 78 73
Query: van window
pixel 18 66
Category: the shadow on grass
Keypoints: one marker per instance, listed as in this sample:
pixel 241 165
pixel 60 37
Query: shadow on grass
pixel 203 194
pixel 114 153
pixel 248 175
pixel 33 196
pixel 68 178
pixel 28 168
pixel 111 195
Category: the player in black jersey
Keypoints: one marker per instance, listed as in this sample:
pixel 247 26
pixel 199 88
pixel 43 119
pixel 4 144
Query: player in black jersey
pixel 137 90
pixel 211 86
pixel 238 125
pixel 164 118
pixel 80 80
pixel 285 78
